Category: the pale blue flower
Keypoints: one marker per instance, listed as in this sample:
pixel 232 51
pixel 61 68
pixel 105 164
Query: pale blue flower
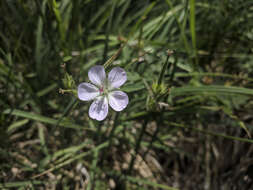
pixel 104 91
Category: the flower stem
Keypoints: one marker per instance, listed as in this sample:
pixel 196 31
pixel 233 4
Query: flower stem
pixel 109 61
pixel 164 67
pixel 111 136
pixel 154 136
pixel 62 91
pixel 113 129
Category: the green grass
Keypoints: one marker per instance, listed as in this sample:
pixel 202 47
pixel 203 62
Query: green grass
pixel 189 121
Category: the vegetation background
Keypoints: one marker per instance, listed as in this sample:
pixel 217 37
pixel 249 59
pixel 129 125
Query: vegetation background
pixel 189 122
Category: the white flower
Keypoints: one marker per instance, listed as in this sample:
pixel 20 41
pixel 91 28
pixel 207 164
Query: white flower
pixel 104 91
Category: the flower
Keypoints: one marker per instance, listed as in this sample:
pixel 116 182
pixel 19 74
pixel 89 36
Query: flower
pixel 103 91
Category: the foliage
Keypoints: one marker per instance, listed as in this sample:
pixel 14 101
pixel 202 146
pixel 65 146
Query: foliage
pixel 189 121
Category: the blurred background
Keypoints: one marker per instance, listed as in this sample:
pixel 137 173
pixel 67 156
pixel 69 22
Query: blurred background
pixel 189 121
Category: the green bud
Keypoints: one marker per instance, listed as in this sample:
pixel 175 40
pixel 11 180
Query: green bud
pixel 159 91
pixel 68 81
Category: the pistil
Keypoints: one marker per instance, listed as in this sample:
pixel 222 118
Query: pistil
pixel 101 90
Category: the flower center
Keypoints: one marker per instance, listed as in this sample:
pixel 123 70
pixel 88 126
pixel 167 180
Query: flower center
pixel 101 90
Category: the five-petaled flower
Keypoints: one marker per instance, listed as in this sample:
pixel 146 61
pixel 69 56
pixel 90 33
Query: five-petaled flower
pixel 104 91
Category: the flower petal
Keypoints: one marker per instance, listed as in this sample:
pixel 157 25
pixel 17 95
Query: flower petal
pixel 118 100
pixel 87 91
pixel 97 75
pixel 116 77
pixel 99 108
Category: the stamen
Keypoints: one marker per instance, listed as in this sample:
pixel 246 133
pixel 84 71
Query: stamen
pixel 101 90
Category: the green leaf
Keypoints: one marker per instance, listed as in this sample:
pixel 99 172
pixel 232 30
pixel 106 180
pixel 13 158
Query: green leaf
pixel 17 124
pixel 40 118
pixel 211 133
pixel 47 90
pixel 149 183
pixel 214 89
pixel 21 184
